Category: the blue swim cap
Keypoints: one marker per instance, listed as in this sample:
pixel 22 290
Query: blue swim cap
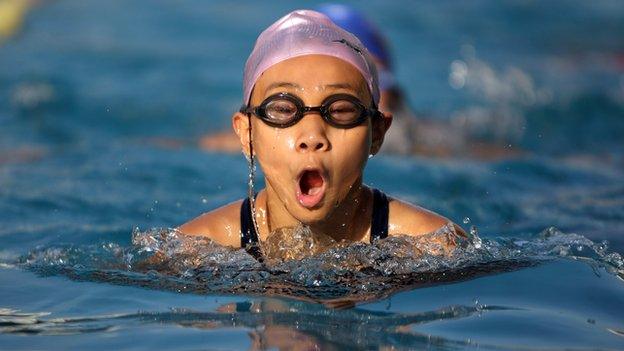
pixel 354 22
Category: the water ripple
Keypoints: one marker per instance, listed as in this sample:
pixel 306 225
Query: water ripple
pixel 341 275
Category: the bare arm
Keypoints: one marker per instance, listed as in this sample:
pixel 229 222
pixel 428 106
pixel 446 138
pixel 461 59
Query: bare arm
pixel 415 221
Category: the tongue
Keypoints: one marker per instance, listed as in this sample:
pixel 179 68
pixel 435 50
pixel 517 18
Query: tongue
pixel 311 182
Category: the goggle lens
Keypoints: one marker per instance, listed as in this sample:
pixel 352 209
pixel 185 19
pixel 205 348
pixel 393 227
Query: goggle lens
pixel 344 112
pixel 281 111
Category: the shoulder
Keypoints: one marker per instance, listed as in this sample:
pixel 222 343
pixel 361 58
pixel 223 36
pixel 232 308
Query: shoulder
pixel 407 219
pixel 221 225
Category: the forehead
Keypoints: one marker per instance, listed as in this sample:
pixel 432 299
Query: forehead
pixel 311 75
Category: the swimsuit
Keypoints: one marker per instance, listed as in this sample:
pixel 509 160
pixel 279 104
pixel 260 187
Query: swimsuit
pixel 249 237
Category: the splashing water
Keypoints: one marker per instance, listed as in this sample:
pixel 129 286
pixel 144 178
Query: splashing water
pixel 312 269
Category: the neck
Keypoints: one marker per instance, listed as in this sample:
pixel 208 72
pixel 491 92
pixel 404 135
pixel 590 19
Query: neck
pixel 344 222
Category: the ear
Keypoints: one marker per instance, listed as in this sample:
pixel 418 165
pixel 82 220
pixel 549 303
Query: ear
pixel 241 126
pixel 380 127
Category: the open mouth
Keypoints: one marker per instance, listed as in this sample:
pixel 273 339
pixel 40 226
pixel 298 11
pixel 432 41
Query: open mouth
pixel 311 188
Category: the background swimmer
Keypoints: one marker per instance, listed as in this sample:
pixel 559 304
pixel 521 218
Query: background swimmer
pixel 312 157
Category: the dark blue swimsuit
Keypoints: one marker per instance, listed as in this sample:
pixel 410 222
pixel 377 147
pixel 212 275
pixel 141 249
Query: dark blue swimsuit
pixel 379 224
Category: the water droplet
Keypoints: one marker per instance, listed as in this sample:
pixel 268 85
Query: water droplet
pixel 204 200
pixel 474 231
pixel 476 240
pixel 370 156
pixel 466 220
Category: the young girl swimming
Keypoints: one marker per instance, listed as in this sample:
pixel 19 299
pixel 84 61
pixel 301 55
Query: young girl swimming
pixel 310 117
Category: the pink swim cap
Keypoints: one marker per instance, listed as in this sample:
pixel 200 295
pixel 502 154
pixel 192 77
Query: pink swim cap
pixel 306 32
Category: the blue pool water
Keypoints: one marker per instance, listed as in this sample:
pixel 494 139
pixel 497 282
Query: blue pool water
pixel 101 107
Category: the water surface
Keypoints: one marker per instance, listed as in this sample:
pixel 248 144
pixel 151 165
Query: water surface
pixel 101 105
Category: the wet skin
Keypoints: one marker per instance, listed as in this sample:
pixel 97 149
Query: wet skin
pixel 338 156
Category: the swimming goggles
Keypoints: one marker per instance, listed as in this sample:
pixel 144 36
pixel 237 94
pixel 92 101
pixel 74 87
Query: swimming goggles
pixel 283 110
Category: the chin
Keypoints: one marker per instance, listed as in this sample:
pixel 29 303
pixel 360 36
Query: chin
pixel 312 216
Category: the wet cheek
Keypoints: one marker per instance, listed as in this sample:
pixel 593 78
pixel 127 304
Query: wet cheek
pixel 270 164
pixel 273 140
pixel 351 168
pixel 272 151
pixel 291 143
pixel 350 158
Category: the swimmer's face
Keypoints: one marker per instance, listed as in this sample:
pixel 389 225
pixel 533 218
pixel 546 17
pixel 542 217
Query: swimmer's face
pixel 311 166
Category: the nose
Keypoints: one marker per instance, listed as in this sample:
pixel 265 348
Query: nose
pixel 312 136
pixel 312 143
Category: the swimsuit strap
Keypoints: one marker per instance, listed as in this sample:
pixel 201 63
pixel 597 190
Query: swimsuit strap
pixel 379 223
pixel 249 237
